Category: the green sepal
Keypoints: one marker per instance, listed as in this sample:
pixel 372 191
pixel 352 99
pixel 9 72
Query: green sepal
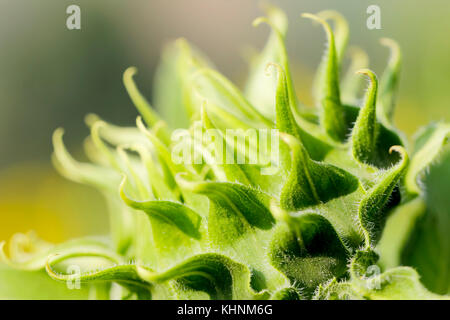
pixel 308 251
pixel 430 143
pixel 212 86
pixel 266 177
pixel 334 290
pixel 332 116
pixel 142 105
pixel 340 32
pixel 123 274
pixel 177 214
pixel 86 173
pixel 370 139
pixel 366 130
pixel 286 121
pixel 233 208
pixel 310 182
pixel 240 224
pixel 219 276
pixel 372 213
pixel 259 88
pixel 389 83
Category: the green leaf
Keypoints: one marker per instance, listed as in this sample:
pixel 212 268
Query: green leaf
pixel 400 283
pixel 428 246
pixel 430 143
pixel 308 250
pixel 393 239
pixel 332 116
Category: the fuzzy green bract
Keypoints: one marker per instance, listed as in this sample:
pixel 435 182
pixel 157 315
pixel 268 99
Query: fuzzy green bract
pixel 348 212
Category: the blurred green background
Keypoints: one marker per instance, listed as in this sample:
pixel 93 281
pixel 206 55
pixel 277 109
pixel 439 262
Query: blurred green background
pixel 52 77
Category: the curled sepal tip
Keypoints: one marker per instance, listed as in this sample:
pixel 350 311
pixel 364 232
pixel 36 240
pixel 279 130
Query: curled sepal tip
pixel 176 214
pixel 278 28
pixel 389 81
pixel 285 120
pixel 138 99
pixel 366 129
pixel 101 145
pixel 371 211
pixel 341 31
pixel 77 171
pixel 36 258
pixel 258 88
pixel 333 117
pixel 277 17
pixel 160 148
pixel 234 208
pixel 124 274
pixel 218 276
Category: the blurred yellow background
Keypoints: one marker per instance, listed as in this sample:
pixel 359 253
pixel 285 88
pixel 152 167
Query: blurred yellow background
pixel 52 77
